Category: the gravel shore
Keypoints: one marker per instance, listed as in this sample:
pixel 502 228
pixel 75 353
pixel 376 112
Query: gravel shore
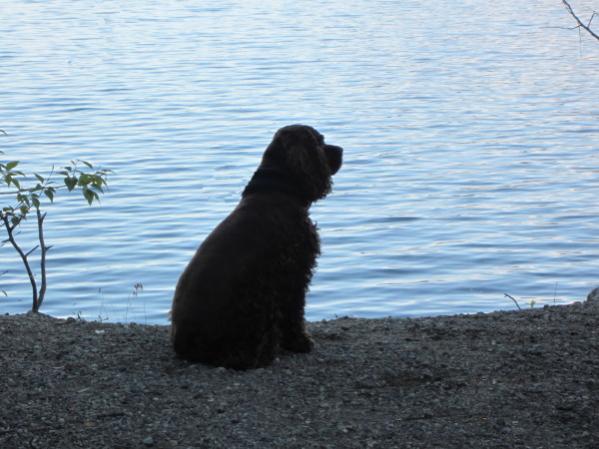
pixel 526 379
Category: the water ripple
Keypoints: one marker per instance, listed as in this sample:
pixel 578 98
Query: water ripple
pixel 470 171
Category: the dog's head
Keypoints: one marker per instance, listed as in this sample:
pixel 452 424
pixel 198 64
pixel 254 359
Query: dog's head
pixel 300 152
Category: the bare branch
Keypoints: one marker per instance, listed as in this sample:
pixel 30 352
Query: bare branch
pixel 16 246
pixel 580 24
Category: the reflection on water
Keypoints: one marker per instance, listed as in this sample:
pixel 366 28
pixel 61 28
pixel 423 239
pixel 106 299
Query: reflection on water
pixel 470 132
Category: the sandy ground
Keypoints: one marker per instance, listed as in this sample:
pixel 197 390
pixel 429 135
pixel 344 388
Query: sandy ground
pixel 526 379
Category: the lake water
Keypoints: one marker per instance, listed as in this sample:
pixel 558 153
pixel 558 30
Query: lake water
pixel 470 130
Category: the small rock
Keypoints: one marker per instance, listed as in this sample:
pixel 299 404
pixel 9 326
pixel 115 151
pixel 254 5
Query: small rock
pixel 593 295
pixel 148 441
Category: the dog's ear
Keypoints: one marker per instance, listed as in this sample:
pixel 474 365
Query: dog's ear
pixel 306 160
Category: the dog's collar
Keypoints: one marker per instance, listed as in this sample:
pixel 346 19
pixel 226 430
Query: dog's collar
pixel 270 180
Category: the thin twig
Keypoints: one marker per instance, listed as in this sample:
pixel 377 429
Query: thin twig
pixel 31 250
pixel 44 249
pixel 580 24
pixel 513 299
pixel 560 28
pixel 31 189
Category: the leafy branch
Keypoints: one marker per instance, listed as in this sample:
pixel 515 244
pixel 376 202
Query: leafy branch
pixel 77 175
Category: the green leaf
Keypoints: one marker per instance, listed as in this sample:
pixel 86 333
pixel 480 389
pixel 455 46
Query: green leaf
pixel 89 195
pixel 49 192
pixel 70 182
pixel 39 178
pixel 23 199
pixel 84 179
pixel 36 201
pixel 12 165
pixel 87 164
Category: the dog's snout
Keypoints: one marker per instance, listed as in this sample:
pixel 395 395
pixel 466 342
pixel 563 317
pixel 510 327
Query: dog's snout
pixel 334 157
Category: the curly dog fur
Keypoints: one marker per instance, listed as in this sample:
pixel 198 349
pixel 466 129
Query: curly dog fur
pixel 242 296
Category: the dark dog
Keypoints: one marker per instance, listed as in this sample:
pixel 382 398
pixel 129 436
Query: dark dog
pixel 242 295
